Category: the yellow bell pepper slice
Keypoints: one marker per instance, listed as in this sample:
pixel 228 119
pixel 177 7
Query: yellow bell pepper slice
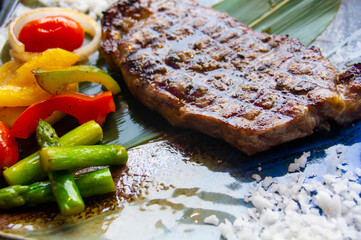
pixel 18 86
pixel 8 115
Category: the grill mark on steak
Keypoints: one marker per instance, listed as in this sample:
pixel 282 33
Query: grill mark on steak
pixel 205 70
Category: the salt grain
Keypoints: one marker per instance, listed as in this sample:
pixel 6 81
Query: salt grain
pixel 358 172
pixel 299 163
pixel 260 202
pixel 213 220
pixel 256 177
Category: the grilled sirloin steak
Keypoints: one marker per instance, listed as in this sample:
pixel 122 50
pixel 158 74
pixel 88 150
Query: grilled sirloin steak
pixel 205 70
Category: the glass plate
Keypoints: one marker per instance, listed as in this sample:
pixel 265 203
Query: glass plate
pixel 171 184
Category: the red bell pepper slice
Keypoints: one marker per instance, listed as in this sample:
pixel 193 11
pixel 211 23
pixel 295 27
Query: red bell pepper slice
pixel 9 151
pixel 80 106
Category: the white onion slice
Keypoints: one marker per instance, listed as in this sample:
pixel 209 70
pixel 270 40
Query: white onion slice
pixel 89 25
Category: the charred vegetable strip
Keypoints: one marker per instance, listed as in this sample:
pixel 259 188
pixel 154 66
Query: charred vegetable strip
pixel 29 169
pixel 65 190
pixel 83 107
pixel 76 157
pixel 54 81
pixel 89 184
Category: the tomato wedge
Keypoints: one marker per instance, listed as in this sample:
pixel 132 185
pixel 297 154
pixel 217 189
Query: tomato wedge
pixel 82 107
pixel 51 32
pixel 9 151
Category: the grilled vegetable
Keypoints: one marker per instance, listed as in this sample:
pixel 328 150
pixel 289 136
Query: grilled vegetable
pixel 8 115
pixel 83 107
pixel 65 190
pixel 95 183
pixel 54 81
pixel 76 157
pixel 12 196
pixel 46 135
pixel 89 184
pixel 18 85
pixel 9 151
pixel 37 193
pixel 29 169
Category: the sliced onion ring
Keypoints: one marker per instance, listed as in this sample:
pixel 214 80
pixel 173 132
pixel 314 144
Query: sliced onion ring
pixel 89 25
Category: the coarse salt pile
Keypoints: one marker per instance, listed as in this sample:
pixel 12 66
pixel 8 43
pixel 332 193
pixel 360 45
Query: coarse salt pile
pixel 301 208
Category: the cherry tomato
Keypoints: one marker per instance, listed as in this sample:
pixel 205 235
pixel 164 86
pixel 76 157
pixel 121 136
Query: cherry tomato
pixel 9 151
pixel 51 32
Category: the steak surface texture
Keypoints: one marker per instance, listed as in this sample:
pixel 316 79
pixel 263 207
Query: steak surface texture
pixel 205 70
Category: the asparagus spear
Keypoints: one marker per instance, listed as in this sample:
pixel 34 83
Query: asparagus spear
pixel 29 169
pixel 46 135
pixel 76 157
pixel 39 192
pixel 12 196
pixel 65 190
pixel 89 184
pixel 95 183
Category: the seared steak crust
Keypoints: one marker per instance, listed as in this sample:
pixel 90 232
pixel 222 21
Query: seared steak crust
pixel 205 70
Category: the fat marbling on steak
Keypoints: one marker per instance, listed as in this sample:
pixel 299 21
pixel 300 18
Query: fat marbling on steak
pixel 205 70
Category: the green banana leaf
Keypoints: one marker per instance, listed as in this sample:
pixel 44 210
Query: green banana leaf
pixel 302 19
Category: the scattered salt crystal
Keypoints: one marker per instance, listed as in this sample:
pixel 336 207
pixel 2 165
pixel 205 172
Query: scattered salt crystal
pixel 293 167
pixel 357 210
pixel 267 182
pixel 213 220
pixel 339 150
pixel 328 178
pixel 309 187
pixel 273 188
pixel 354 187
pixel 323 200
pixel 341 167
pixel 269 217
pixel 299 163
pixel 340 186
pixel 226 229
pixel 260 202
pixel 256 177
pixel 358 172
pixel 349 176
pixel 349 204
pixel 282 189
